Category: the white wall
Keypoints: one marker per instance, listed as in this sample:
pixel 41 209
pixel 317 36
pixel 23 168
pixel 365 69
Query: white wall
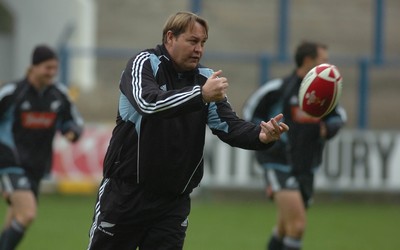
pixel 353 161
pixel 45 21
pixel 6 59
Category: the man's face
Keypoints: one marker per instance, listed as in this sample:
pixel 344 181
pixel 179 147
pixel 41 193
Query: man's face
pixel 187 49
pixel 309 62
pixel 322 56
pixel 45 72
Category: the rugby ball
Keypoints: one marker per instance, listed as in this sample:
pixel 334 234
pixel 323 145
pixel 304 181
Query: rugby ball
pixel 320 90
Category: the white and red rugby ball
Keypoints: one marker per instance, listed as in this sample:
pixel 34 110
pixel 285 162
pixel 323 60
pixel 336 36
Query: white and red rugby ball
pixel 320 90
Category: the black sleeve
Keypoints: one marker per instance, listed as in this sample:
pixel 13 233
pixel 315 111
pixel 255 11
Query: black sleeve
pixel 69 119
pixel 264 103
pixel 334 121
pixel 224 123
pixel 139 85
pixel 7 94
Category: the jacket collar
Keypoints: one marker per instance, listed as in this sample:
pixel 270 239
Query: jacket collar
pixel 165 56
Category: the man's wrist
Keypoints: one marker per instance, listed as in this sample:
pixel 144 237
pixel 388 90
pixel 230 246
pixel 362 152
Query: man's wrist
pixel 202 97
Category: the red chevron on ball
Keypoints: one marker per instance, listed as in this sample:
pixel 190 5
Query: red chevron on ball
pixel 320 90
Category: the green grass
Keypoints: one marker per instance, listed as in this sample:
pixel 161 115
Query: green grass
pixel 331 226
pixel 64 221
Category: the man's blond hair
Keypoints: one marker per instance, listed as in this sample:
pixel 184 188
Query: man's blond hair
pixel 180 22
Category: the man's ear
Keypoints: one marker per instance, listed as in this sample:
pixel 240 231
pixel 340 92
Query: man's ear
pixel 169 36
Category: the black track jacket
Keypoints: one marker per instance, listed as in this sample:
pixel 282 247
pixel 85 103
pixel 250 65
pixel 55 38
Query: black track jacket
pixel 28 122
pixel 161 124
pixel 300 149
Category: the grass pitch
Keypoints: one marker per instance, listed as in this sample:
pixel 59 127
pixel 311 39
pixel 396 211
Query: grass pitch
pixel 64 221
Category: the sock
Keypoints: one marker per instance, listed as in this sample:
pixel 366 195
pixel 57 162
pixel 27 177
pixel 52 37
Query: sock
pixel 275 242
pixel 290 243
pixel 12 236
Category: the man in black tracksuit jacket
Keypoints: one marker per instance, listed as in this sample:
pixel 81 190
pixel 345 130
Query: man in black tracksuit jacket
pixel 155 156
pixel 300 150
pixel 291 162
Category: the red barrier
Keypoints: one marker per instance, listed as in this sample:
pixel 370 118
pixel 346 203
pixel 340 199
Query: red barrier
pixel 84 159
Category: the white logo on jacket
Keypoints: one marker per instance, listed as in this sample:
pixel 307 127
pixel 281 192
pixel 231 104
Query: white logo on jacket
pixel 26 105
pixel 163 87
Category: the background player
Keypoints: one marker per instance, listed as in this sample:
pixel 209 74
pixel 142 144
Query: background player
pixel 31 110
pixel 290 163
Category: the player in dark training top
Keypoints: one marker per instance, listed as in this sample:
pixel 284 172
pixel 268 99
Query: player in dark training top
pixel 31 111
pixel 291 162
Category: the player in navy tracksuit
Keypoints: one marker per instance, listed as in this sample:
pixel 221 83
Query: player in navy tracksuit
pixel 155 156
pixel 31 111
pixel 291 162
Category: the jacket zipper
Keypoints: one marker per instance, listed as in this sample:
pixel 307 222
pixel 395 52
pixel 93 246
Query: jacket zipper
pixel 191 176
pixel 137 161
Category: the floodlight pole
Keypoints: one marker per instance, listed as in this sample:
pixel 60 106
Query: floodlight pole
pixel 363 94
pixel 283 30
pixel 195 6
pixel 379 36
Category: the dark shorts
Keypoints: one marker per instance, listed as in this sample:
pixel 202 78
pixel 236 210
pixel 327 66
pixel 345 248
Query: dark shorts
pixel 11 182
pixel 278 180
pixel 12 176
pixel 127 217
